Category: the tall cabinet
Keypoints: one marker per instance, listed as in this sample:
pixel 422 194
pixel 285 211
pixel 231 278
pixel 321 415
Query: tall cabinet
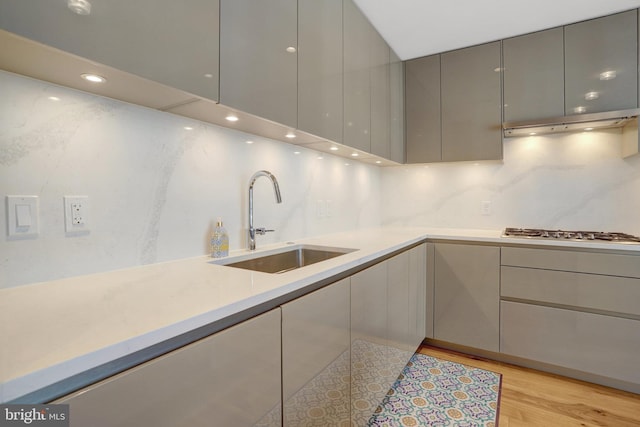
pixel 258 58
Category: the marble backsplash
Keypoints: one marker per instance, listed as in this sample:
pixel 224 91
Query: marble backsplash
pixel 154 187
pixel 570 181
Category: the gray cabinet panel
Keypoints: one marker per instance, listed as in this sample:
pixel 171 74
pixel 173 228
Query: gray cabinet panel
pixel 472 103
pixel 357 79
pixel 219 378
pixel 396 94
pixel 174 43
pixel 587 291
pixel 601 345
pixel 380 96
pixel 257 73
pixel 584 262
pixel 430 295
pixel 608 44
pixel 315 357
pixel 467 295
pixel 422 98
pixel 534 75
pixel 320 68
pixel 417 296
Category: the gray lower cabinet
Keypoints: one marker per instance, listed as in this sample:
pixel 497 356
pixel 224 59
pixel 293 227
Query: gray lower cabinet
pixel 573 309
pixel 467 295
pixel 534 76
pixel 320 68
pixel 422 98
pixel 316 357
pixel 173 43
pixel 231 378
pixel 601 64
pixel 472 103
pixel 593 343
pixel 258 58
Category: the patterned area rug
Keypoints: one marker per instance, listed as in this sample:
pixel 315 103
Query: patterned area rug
pixel 434 392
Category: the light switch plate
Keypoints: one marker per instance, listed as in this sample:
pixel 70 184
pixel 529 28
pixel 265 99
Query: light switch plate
pixel 22 217
pixel 76 214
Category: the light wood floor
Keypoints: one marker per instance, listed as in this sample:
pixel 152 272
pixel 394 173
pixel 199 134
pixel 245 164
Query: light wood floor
pixel 534 398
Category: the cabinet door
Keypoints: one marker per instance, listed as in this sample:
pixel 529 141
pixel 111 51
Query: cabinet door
pixel 396 94
pixel 431 291
pixel 174 43
pixel 357 93
pixel 401 313
pixel 258 71
pixel 593 48
pixel 594 343
pixel 230 379
pixel 472 104
pixel 370 371
pixel 534 76
pixel 380 96
pixel 467 295
pixel 320 68
pixel 417 295
pixel 316 358
pixel 422 97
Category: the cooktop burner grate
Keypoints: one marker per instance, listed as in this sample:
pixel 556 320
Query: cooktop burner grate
pixel 613 237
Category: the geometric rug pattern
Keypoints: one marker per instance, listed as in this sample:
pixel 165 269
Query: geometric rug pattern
pixel 439 393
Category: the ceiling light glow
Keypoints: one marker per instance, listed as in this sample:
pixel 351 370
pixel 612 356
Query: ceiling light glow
pixel 290 135
pixel 93 78
pixel 232 118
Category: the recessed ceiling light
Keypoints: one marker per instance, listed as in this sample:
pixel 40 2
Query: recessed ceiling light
pixel 333 148
pixel 532 133
pixel 93 78
pixel 188 128
pixel 608 75
pixel 296 152
pixel 232 118
pixel 378 162
pixel 588 129
pixel 590 96
pixel 54 98
pixel 290 135
pixel 354 154
pixel 249 141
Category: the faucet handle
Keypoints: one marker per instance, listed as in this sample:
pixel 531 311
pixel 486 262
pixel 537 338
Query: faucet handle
pixel 262 231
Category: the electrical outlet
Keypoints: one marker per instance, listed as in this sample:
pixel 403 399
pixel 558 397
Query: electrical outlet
pixel 76 214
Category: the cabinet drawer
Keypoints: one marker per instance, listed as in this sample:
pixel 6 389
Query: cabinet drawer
pixel 582 262
pixel 590 291
pixel 601 345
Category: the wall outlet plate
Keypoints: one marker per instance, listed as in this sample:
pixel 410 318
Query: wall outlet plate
pixel 76 214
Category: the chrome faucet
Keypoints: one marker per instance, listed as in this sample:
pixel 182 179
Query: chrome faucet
pixel 276 189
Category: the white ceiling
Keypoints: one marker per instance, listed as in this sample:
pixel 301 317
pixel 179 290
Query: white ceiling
pixel 415 28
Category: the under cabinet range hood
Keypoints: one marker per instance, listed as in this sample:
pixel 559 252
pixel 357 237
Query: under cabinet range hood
pixel 575 123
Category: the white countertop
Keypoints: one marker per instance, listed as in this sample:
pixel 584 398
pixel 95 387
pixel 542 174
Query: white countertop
pixel 51 331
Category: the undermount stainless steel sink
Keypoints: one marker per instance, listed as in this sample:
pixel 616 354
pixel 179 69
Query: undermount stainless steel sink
pixel 289 259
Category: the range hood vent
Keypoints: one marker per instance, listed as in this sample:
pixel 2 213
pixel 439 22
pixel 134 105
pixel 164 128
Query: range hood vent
pixel 576 123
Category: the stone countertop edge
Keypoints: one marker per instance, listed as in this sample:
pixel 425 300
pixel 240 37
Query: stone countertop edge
pixel 62 338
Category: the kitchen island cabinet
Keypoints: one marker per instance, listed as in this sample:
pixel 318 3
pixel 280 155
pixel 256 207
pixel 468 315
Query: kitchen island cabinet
pixel 258 58
pixel 467 295
pixel 169 42
pixel 219 380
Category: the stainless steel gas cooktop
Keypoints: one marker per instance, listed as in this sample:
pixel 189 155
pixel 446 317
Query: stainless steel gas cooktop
pixel 593 236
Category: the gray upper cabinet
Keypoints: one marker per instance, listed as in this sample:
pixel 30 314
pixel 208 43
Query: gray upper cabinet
pixel 422 114
pixel 320 68
pixel 173 43
pixel 357 79
pixel 601 64
pixel 258 58
pixel 396 94
pixel 380 96
pixel 534 76
pixel 472 103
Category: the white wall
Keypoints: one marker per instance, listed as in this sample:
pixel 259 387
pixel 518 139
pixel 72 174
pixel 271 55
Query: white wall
pixel 154 188
pixel 571 181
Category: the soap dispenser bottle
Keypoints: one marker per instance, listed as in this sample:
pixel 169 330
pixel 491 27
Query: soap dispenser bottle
pixel 219 241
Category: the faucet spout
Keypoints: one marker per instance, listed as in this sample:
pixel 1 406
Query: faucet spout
pixel 276 189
